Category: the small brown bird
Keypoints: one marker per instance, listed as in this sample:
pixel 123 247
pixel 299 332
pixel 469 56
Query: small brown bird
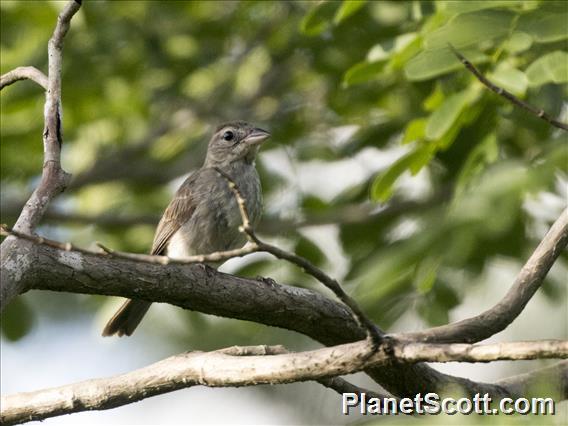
pixel 203 216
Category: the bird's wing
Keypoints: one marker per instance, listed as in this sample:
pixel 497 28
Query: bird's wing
pixel 177 213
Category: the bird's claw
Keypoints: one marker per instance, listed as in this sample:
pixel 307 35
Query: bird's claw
pixel 266 280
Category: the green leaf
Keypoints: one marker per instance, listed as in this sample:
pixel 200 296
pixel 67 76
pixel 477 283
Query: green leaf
pixel 381 190
pixel 443 118
pixel 518 42
pixel 435 99
pixel 308 250
pixel 377 53
pixel 17 320
pixel 363 72
pixel 550 68
pixel 485 153
pixel 433 314
pixel 314 204
pixel 465 6
pixel 318 18
pixel 347 8
pixel 425 274
pixel 414 131
pixel 545 26
pixel 511 79
pixel 471 29
pixel 433 63
pixel 406 47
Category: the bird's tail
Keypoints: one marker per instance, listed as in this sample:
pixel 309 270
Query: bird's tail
pixel 127 318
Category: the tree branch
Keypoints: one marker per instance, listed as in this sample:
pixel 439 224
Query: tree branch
pixel 538 112
pixel 229 368
pixel 498 317
pixel 23 73
pixel 54 179
pixel 206 290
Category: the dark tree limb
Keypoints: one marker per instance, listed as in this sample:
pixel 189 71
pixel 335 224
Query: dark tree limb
pixel 497 318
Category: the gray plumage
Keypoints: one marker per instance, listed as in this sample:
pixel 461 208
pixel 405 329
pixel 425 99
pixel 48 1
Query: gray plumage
pixel 203 217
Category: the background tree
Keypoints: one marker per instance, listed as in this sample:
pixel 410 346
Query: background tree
pixel 391 166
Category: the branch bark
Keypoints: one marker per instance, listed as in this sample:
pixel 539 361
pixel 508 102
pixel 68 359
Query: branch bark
pixel 523 289
pixel 53 179
pixel 23 73
pixel 228 368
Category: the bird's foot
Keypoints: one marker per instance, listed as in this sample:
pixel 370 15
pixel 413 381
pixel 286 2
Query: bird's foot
pixel 267 280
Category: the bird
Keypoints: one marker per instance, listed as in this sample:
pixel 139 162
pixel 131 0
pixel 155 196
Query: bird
pixel 203 217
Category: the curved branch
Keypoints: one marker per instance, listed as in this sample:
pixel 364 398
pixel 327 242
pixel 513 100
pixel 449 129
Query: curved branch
pixel 497 318
pixel 23 73
pixel 228 368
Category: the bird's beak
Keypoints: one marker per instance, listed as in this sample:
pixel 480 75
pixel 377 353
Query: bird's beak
pixel 256 137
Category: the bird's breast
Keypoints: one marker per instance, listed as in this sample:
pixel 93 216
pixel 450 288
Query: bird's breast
pixel 214 225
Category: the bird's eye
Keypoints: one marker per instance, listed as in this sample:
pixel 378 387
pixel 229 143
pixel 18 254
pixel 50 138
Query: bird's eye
pixel 228 135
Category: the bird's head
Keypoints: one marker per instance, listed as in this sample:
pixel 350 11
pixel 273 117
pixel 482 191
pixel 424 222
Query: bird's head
pixel 235 141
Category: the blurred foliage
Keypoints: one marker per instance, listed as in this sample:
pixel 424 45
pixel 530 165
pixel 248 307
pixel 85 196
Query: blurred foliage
pixel 336 83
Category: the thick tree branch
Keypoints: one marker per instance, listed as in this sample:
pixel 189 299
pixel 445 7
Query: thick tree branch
pixel 182 295
pixel 498 317
pixel 53 180
pixel 538 112
pixel 229 368
pixel 23 73
pixel 206 290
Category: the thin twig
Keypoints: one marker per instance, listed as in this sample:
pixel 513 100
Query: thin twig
pixel 23 73
pixel 373 332
pixel 145 258
pixel 538 112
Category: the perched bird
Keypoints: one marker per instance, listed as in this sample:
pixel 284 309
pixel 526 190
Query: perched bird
pixel 203 216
